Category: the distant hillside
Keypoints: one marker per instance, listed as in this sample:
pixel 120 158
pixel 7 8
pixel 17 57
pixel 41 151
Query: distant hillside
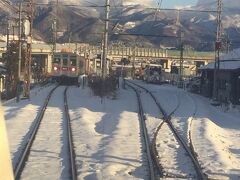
pixel 77 24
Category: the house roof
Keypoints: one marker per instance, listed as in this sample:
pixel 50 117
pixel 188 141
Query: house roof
pixel 230 61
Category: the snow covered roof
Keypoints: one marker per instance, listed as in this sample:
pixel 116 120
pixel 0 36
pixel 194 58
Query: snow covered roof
pixel 228 61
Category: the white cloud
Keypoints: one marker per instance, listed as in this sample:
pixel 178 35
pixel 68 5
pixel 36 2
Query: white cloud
pixel 183 7
pixel 143 2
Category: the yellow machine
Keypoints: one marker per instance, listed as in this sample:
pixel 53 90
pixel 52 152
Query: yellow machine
pixel 6 171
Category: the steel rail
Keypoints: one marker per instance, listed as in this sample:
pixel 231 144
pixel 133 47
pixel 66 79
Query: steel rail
pixel 145 134
pixel 25 153
pixel 154 149
pixel 190 132
pixel 70 138
pixel 167 119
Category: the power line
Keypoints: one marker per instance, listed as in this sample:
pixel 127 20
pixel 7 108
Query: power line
pixel 145 35
pixel 125 6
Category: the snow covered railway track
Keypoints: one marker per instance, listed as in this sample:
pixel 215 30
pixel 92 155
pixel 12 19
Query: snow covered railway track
pixel 39 140
pixel 167 119
pixel 147 143
pixel 70 139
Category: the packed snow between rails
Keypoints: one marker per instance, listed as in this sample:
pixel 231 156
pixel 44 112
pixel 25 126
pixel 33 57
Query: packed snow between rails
pixel 108 140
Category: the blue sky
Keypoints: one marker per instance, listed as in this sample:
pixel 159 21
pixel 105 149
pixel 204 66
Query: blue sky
pixel 174 3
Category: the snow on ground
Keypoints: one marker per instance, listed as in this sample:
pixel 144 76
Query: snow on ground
pixel 172 156
pixel 20 118
pixel 168 96
pixel 48 158
pixel 182 117
pixel 216 137
pixel 152 114
pixel 107 137
pixel 215 133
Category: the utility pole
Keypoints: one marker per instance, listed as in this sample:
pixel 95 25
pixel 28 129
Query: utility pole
pixel 181 57
pixel 54 37
pixel 181 61
pixel 134 59
pixel 8 31
pixel 105 42
pixel 27 74
pixel 19 50
pixel 178 18
pixel 218 45
pixel 7 83
pixel 54 31
pixel 228 44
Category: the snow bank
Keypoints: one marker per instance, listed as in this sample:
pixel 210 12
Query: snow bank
pixel 107 136
pixel 215 150
pixel 20 118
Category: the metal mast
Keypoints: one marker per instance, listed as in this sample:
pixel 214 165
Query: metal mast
pixel 7 62
pixel 181 56
pixel 105 42
pixel 19 50
pixel 217 50
pixel 27 74
pixel 54 30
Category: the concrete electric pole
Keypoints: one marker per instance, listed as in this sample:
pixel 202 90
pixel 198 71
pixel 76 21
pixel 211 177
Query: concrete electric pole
pixel 105 42
pixel 27 74
pixel 7 61
pixel 19 50
pixel 54 31
pixel 54 36
pixel 181 59
pixel 218 45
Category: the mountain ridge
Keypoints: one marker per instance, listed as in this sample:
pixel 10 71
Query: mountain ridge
pixel 78 24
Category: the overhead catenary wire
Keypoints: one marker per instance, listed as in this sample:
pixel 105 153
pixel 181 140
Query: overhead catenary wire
pixel 119 18
pixel 125 6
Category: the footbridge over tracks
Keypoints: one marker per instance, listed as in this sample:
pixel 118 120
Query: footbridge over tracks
pixel 153 53
pixel 43 52
pixel 166 57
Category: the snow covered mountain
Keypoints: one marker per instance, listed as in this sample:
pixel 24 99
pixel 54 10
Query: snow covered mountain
pixel 86 24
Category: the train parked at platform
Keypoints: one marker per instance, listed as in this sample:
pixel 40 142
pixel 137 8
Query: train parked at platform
pixel 66 67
